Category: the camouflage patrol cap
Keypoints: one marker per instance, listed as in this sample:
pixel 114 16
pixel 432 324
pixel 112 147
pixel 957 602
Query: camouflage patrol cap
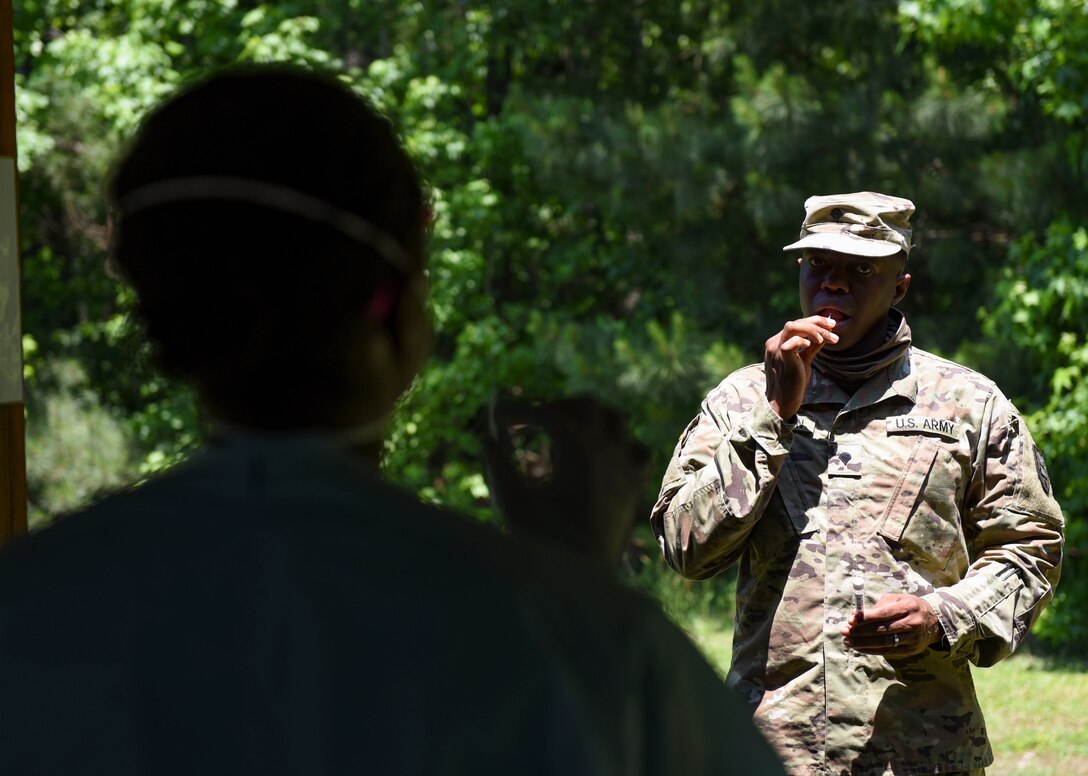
pixel 863 223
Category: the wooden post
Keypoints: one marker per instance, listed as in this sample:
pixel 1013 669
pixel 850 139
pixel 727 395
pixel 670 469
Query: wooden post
pixel 12 432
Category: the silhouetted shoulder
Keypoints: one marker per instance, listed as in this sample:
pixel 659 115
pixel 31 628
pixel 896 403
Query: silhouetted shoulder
pixel 273 603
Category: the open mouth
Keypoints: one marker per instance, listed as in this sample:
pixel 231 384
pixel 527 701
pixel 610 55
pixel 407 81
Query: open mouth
pixel 834 315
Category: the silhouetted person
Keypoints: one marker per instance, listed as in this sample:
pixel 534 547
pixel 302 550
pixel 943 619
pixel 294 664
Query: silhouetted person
pixel 271 606
pixel 565 472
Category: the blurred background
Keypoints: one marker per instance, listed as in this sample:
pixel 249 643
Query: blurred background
pixel 612 181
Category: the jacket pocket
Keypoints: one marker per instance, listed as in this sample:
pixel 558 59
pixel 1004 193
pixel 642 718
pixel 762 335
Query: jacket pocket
pixel 922 516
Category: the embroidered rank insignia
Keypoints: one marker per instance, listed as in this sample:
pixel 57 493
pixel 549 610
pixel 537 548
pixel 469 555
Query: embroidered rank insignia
pixel 846 462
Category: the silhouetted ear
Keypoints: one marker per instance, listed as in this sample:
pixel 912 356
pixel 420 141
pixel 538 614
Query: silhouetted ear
pixel 901 286
pixel 384 357
pixel 413 330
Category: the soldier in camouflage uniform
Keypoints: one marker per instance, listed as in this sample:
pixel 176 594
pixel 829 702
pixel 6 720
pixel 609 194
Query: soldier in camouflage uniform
pixel 851 455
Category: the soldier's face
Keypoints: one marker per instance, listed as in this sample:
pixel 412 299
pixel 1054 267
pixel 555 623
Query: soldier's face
pixel 856 291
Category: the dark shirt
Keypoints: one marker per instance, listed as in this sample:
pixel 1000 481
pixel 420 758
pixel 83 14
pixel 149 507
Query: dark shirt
pixel 272 607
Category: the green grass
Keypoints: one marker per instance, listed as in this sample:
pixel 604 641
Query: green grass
pixel 1036 711
pixel 1037 715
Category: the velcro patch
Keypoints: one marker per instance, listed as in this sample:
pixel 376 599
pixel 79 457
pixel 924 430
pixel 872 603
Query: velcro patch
pixel 920 424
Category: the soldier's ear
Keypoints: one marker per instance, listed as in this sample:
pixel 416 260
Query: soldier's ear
pixel 901 286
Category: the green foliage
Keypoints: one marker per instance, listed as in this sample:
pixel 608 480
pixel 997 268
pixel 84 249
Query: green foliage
pixel 1030 54
pixel 77 448
pixel 686 602
pixel 612 183
pixel 1043 311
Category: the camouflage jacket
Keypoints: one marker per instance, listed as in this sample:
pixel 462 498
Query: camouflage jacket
pixel 925 481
